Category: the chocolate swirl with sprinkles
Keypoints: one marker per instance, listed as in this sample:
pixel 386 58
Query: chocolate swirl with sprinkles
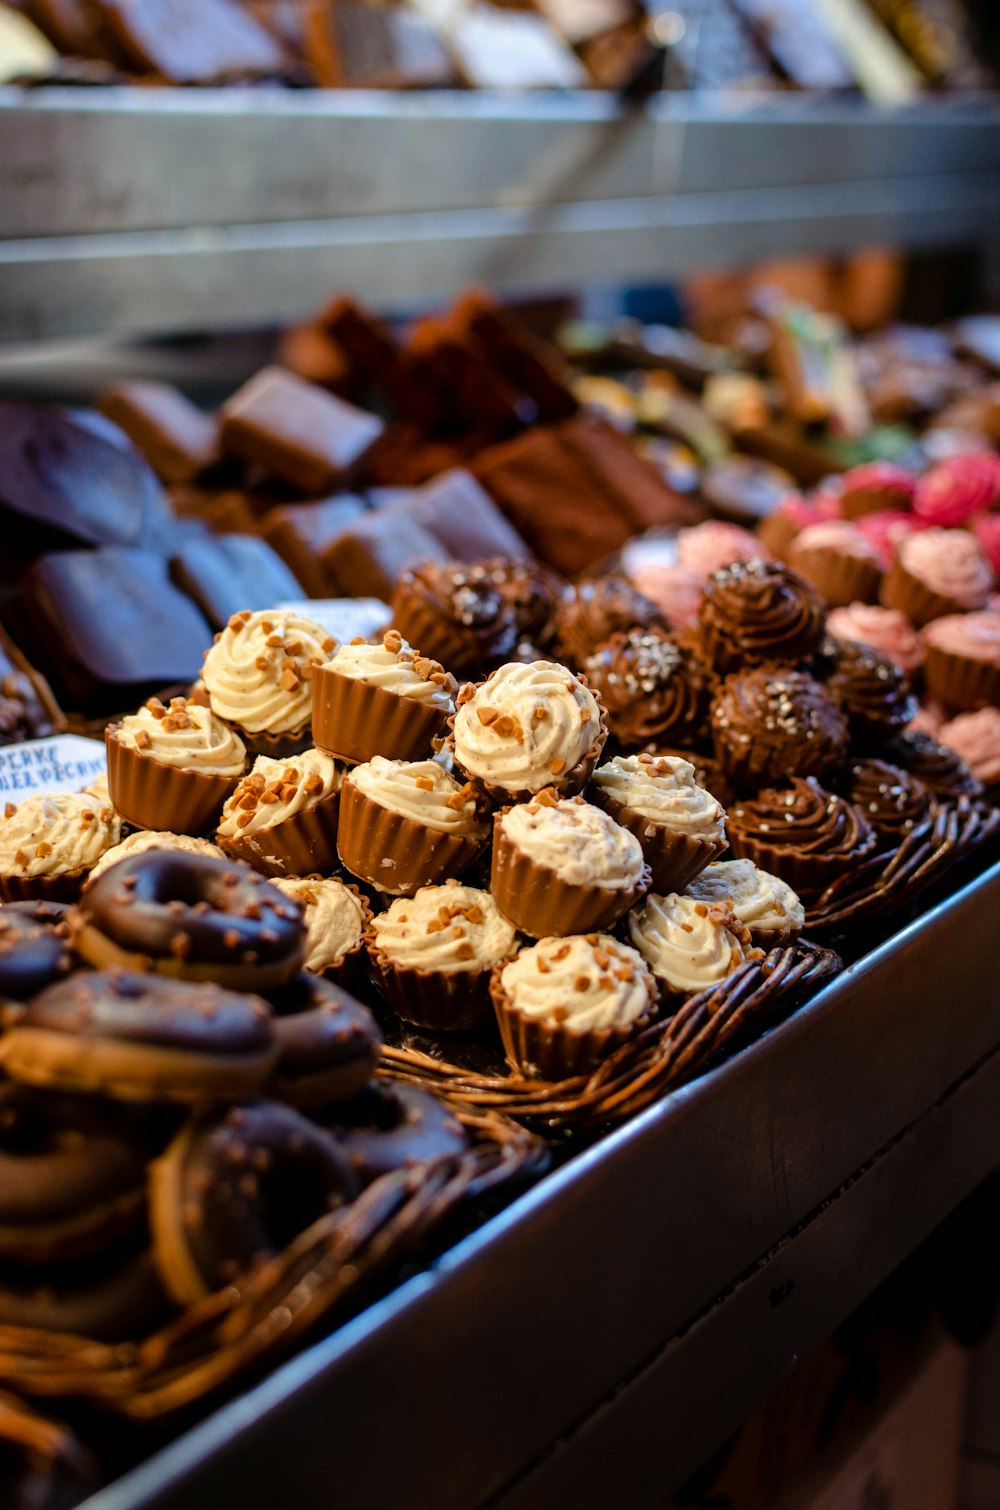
pixel 768 722
pixel 800 832
pixel 873 692
pixel 650 687
pixel 756 611
pixel 455 613
pixel 892 800
pixel 592 612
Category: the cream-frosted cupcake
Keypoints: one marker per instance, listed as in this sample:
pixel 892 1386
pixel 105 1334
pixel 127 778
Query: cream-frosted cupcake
pixel 50 842
pixel 258 677
pixel 407 824
pixel 382 699
pixel 172 767
pixel 151 839
pixel 432 954
pixel 528 726
pixel 561 866
pixel 282 818
pixel 938 572
pixel 689 945
pixel 769 909
pixel 336 917
pixel 658 798
pixel 565 1004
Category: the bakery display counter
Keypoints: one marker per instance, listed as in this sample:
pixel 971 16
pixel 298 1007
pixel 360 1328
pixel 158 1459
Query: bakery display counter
pixel 112 194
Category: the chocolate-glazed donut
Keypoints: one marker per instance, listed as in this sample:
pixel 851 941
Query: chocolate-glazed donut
pixel 592 612
pixel 395 1127
pixel 873 691
pixel 650 686
pixel 191 916
pixel 34 948
pixel 328 1042
pixel 801 833
pixel 893 801
pixel 235 1187
pixel 756 611
pixel 768 722
pixel 454 613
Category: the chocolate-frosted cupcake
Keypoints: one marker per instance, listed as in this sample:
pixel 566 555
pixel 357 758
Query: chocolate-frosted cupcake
pixel 432 954
pixel 531 591
pixel 173 766
pixel 50 842
pixel 336 916
pixel 769 910
pixel 839 562
pixel 565 1004
pixel 651 687
pixel 688 944
pixel 872 691
pixel 258 677
pixel 963 659
pixel 456 614
pixel 893 801
pixel 680 826
pixel 592 612
pixel 802 833
pixel 407 824
pixel 282 818
pixel 937 572
pixel 528 727
pixel 768 722
pixel 147 838
pixel 563 866
pixel 941 770
pixel 757 611
pixel 381 699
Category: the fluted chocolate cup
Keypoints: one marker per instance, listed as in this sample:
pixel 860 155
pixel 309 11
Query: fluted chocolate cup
pixel 907 593
pixel 152 795
pixel 275 746
pixel 301 845
pixel 394 853
pixel 962 681
pixel 443 1001
pixel 62 886
pixel 553 1051
pixel 841 577
pixel 355 721
pixel 542 905
pixel 673 859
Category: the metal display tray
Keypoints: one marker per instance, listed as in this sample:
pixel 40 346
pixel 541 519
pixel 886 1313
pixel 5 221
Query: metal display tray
pixel 593 1343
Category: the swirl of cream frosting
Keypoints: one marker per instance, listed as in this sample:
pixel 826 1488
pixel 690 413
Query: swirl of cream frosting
pixel 582 983
pixel 526 726
pixel 686 943
pixel 334 914
pixel 274 790
pixel 578 842
pixel 884 629
pixel 421 790
pixel 396 667
pixel 664 789
pixel 149 839
pixel 54 833
pixel 444 929
pixel 976 635
pixel 185 735
pixel 762 902
pixel 949 562
pixel 258 674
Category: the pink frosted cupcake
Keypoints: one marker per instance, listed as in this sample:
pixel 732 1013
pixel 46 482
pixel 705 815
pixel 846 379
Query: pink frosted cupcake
pixel 676 591
pixel 876 486
pixel 958 488
pixel 963 659
pixel 837 559
pixel 792 516
pixel 708 547
pixel 976 738
pixel 938 572
pixel 887 530
pixel 884 629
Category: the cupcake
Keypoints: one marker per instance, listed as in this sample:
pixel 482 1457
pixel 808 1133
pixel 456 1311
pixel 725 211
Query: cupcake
pixel 707 548
pixel 532 592
pixel 680 826
pixel 336 916
pixel 975 738
pixel 528 727
pixel 957 489
pixel 173 766
pixel 937 572
pixel 770 721
pixel 792 515
pixel 433 953
pixel 769 910
pixel 653 690
pixel 454 613
pixel 592 612
pixel 153 839
pixel 708 773
pixel 893 801
pixel 50 842
pixel 758 611
pixel 282 818
pixel 875 486
pixel 806 835
pixel 884 629
pixel 258 677
pixel 872 692
pixel 565 1004
pixel 963 659
pixel 940 768
pixel 839 562
pixel 407 824
pixel 561 865
pixel 688 944
pixel 381 699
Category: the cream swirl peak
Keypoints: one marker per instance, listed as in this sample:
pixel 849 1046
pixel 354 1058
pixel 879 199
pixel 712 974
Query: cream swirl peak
pixel 274 790
pixel 665 790
pixel 184 735
pixel 421 790
pixel 395 667
pixel 334 914
pixel 949 562
pixel 884 629
pixel 258 674
pixel 443 930
pixel 763 903
pixel 687 943
pixel 54 833
pixel 582 983
pixel 579 843
pixel 151 839
pixel 526 727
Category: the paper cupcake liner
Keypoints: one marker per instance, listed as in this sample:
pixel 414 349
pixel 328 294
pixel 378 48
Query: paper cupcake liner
pixel 64 886
pixel 901 590
pixel 961 681
pixel 441 1001
pixel 540 904
pixel 805 874
pixel 151 795
pixel 355 721
pixel 673 859
pixel 394 853
pixel 275 746
pixel 550 1051
pixel 304 844
pixel 841 578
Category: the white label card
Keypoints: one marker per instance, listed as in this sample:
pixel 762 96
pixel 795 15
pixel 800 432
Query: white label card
pixel 65 763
